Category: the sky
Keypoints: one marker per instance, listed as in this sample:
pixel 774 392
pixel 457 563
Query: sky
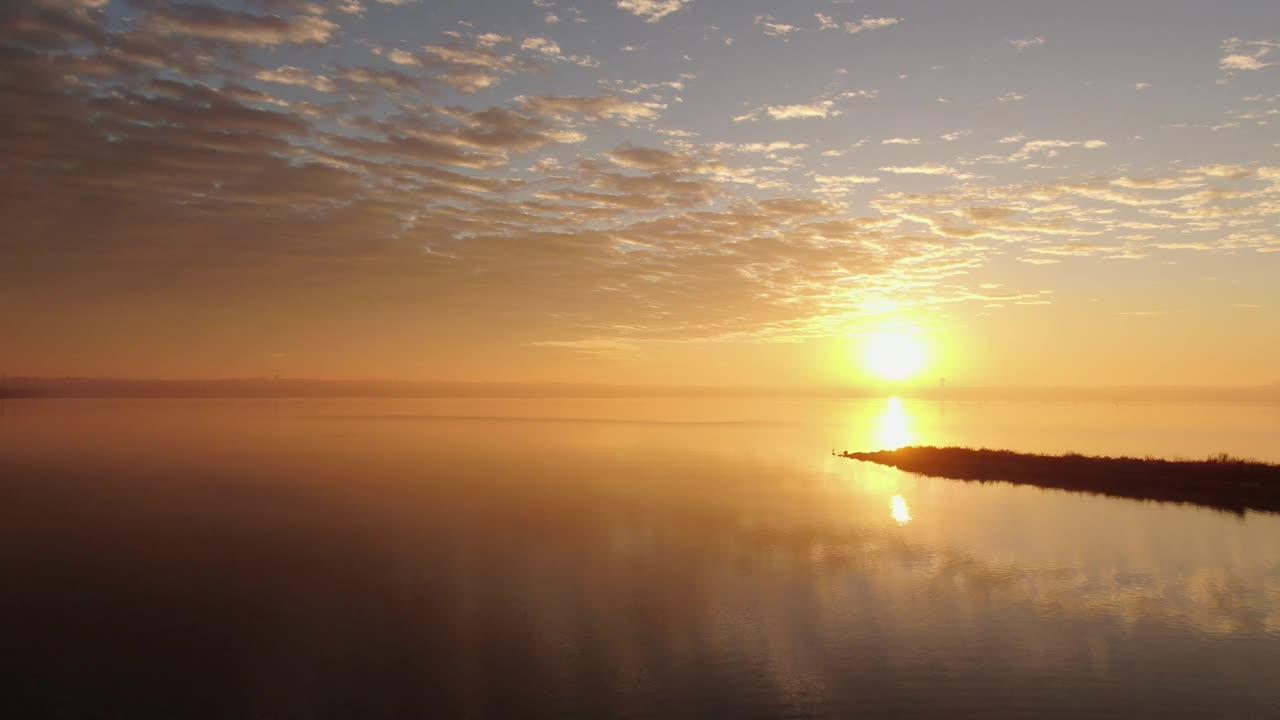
pixel 707 192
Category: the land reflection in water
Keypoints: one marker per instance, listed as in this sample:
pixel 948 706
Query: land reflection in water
pixel 300 558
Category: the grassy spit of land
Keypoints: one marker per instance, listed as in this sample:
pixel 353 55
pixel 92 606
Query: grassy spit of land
pixel 1222 481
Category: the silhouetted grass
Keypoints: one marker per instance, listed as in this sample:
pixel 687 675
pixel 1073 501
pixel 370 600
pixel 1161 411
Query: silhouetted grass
pixel 1220 481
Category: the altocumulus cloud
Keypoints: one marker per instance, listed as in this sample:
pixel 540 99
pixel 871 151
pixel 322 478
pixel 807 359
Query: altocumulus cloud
pixel 209 156
pixel 652 10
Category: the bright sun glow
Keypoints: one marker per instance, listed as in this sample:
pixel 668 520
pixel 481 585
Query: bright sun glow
pixel 894 355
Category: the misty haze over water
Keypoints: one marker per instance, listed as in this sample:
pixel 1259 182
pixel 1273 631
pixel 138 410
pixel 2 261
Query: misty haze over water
pixel 641 557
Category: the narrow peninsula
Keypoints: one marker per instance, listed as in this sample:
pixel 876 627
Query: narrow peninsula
pixel 1221 482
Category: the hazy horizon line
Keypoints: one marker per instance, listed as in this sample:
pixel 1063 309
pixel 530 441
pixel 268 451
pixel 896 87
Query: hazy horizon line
pixel 231 387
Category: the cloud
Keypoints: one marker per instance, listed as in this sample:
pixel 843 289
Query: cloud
pixel 826 22
pixel 388 80
pixel 1242 62
pixel 290 75
pixel 478 55
pixel 925 169
pixel 541 45
pixel 401 57
pixel 1012 97
pixel 815 109
pixel 550 49
pixel 534 211
pixel 1024 43
pixel 470 65
pixel 650 159
pixel 469 80
pixel 900 141
pixel 870 23
pixel 496 130
pixel 771 147
pixel 1246 55
pixel 1071 249
pixel 842 184
pixel 1106 211
pixel 596 107
pixel 490 39
pixel 229 26
pixel 640 88
pixel 652 10
pixel 1160 183
pixel 1050 148
pixel 821 107
pixel 774 28
pixel 845 180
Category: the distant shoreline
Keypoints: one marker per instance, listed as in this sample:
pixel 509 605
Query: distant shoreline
pixel 37 387
pixel 1222 482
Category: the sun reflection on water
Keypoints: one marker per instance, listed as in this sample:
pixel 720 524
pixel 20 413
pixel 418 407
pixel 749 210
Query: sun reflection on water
pixel 899 510
pixel 893 426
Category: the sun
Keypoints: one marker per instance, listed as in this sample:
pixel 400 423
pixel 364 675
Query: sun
pixel 894 355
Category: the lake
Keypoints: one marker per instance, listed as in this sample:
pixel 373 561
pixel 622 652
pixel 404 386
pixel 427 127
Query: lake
pixel 646 558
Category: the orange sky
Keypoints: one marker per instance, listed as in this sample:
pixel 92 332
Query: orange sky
pixel 641 191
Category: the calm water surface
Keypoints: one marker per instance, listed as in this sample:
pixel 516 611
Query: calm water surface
pixel 617 558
